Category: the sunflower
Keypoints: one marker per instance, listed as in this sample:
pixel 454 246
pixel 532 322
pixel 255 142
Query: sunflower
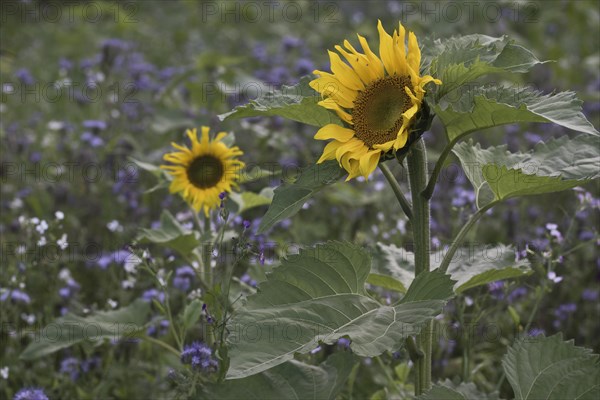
pixel 204 171
pixel 376 97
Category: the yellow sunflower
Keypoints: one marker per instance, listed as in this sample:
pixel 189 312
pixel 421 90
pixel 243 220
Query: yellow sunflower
pixel 204 171
pixel 377 98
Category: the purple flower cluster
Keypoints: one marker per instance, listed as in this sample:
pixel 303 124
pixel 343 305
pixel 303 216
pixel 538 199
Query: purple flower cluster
pixel 199 356
pixel 30 394
pixel 184 276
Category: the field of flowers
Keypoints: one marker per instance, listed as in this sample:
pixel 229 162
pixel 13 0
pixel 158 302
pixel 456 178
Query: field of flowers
pixel 114 287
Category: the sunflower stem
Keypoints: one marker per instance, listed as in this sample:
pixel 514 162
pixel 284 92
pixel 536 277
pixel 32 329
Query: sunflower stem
pixel 417 172
pixel 206 254
pixel 404 204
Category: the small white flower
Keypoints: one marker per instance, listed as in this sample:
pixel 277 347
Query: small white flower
pixel 22 285
pixel 4 372
pixel 553 277
pixel 55 125
pixel 64 275
pixel 131 263
pixel 22 220
pixel 29 318
pixel 62 242
pixel 129 283
pixel 42 227
pixel 469 301
pixel 42 242
pixel 114 226
pixel 112 303
pixel 59 215
pixel 35 220
pixel 16 204
pixel 21 249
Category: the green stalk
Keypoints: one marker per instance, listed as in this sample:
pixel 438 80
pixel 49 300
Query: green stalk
pixel 404 204
pixel 417 171
pixel 458 240
pixel 206 255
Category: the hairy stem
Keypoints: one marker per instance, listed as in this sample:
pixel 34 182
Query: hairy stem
pixel 417 171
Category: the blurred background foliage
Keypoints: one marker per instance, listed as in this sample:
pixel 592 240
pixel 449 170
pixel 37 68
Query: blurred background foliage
pixel 91 84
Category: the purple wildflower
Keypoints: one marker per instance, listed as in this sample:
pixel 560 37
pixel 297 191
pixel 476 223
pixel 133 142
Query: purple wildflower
pixel 30 394
pixel 199 355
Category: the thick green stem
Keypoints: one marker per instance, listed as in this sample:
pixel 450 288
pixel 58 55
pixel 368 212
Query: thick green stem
pixel 206 255
pixel 417 171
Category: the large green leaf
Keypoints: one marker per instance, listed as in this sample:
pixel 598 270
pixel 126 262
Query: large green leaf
pixel 549 368
pixel 460 60
pixel 248 200
pixel 71 329
pixel 449 391
pixel 319 296
pixel 290 380
pixel 289 198
pixel 298 103
pixel 480 265
pixel 560 164
pixel 484 107
pixel 170 234
pixel 393 267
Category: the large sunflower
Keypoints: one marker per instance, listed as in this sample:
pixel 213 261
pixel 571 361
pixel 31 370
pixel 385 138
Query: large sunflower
pixel 377 98
pixel 205 170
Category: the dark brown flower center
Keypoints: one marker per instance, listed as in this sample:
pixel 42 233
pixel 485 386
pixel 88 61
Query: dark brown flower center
pixel 377 114
pixel 205 171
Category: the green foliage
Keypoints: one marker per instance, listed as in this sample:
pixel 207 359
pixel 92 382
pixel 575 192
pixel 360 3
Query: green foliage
pixel 289 198
pixel 560 164
pixel 319 296
pixel 124 323
pixel 249 200
pixel 460 60
pixel 290 380
pixel 298 103
pixel 469 268
pixel 170 234
pixel 191 313
pixel 450 391
pixel 483 107
pixel 550 369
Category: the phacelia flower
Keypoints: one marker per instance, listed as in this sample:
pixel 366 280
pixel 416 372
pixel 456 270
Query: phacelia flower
pixel 377 98
pixel 30 394
pixel 205 170
pixel 199 355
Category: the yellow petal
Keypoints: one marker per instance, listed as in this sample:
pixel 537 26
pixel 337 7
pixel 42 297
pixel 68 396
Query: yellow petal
pixel 220 136
pixel 330 104
pixel 374 61
pixel 414 53
pixel 344 72
pixel 401 140
pixel 350 146
pixel 334 131
pixel 205 138
pixel 384 146
pixel 329 151
pixel 368 162
pixel 328 84
pixel 386 50
pixel 359 63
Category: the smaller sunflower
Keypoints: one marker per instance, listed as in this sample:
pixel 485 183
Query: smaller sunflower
pixel 205 170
